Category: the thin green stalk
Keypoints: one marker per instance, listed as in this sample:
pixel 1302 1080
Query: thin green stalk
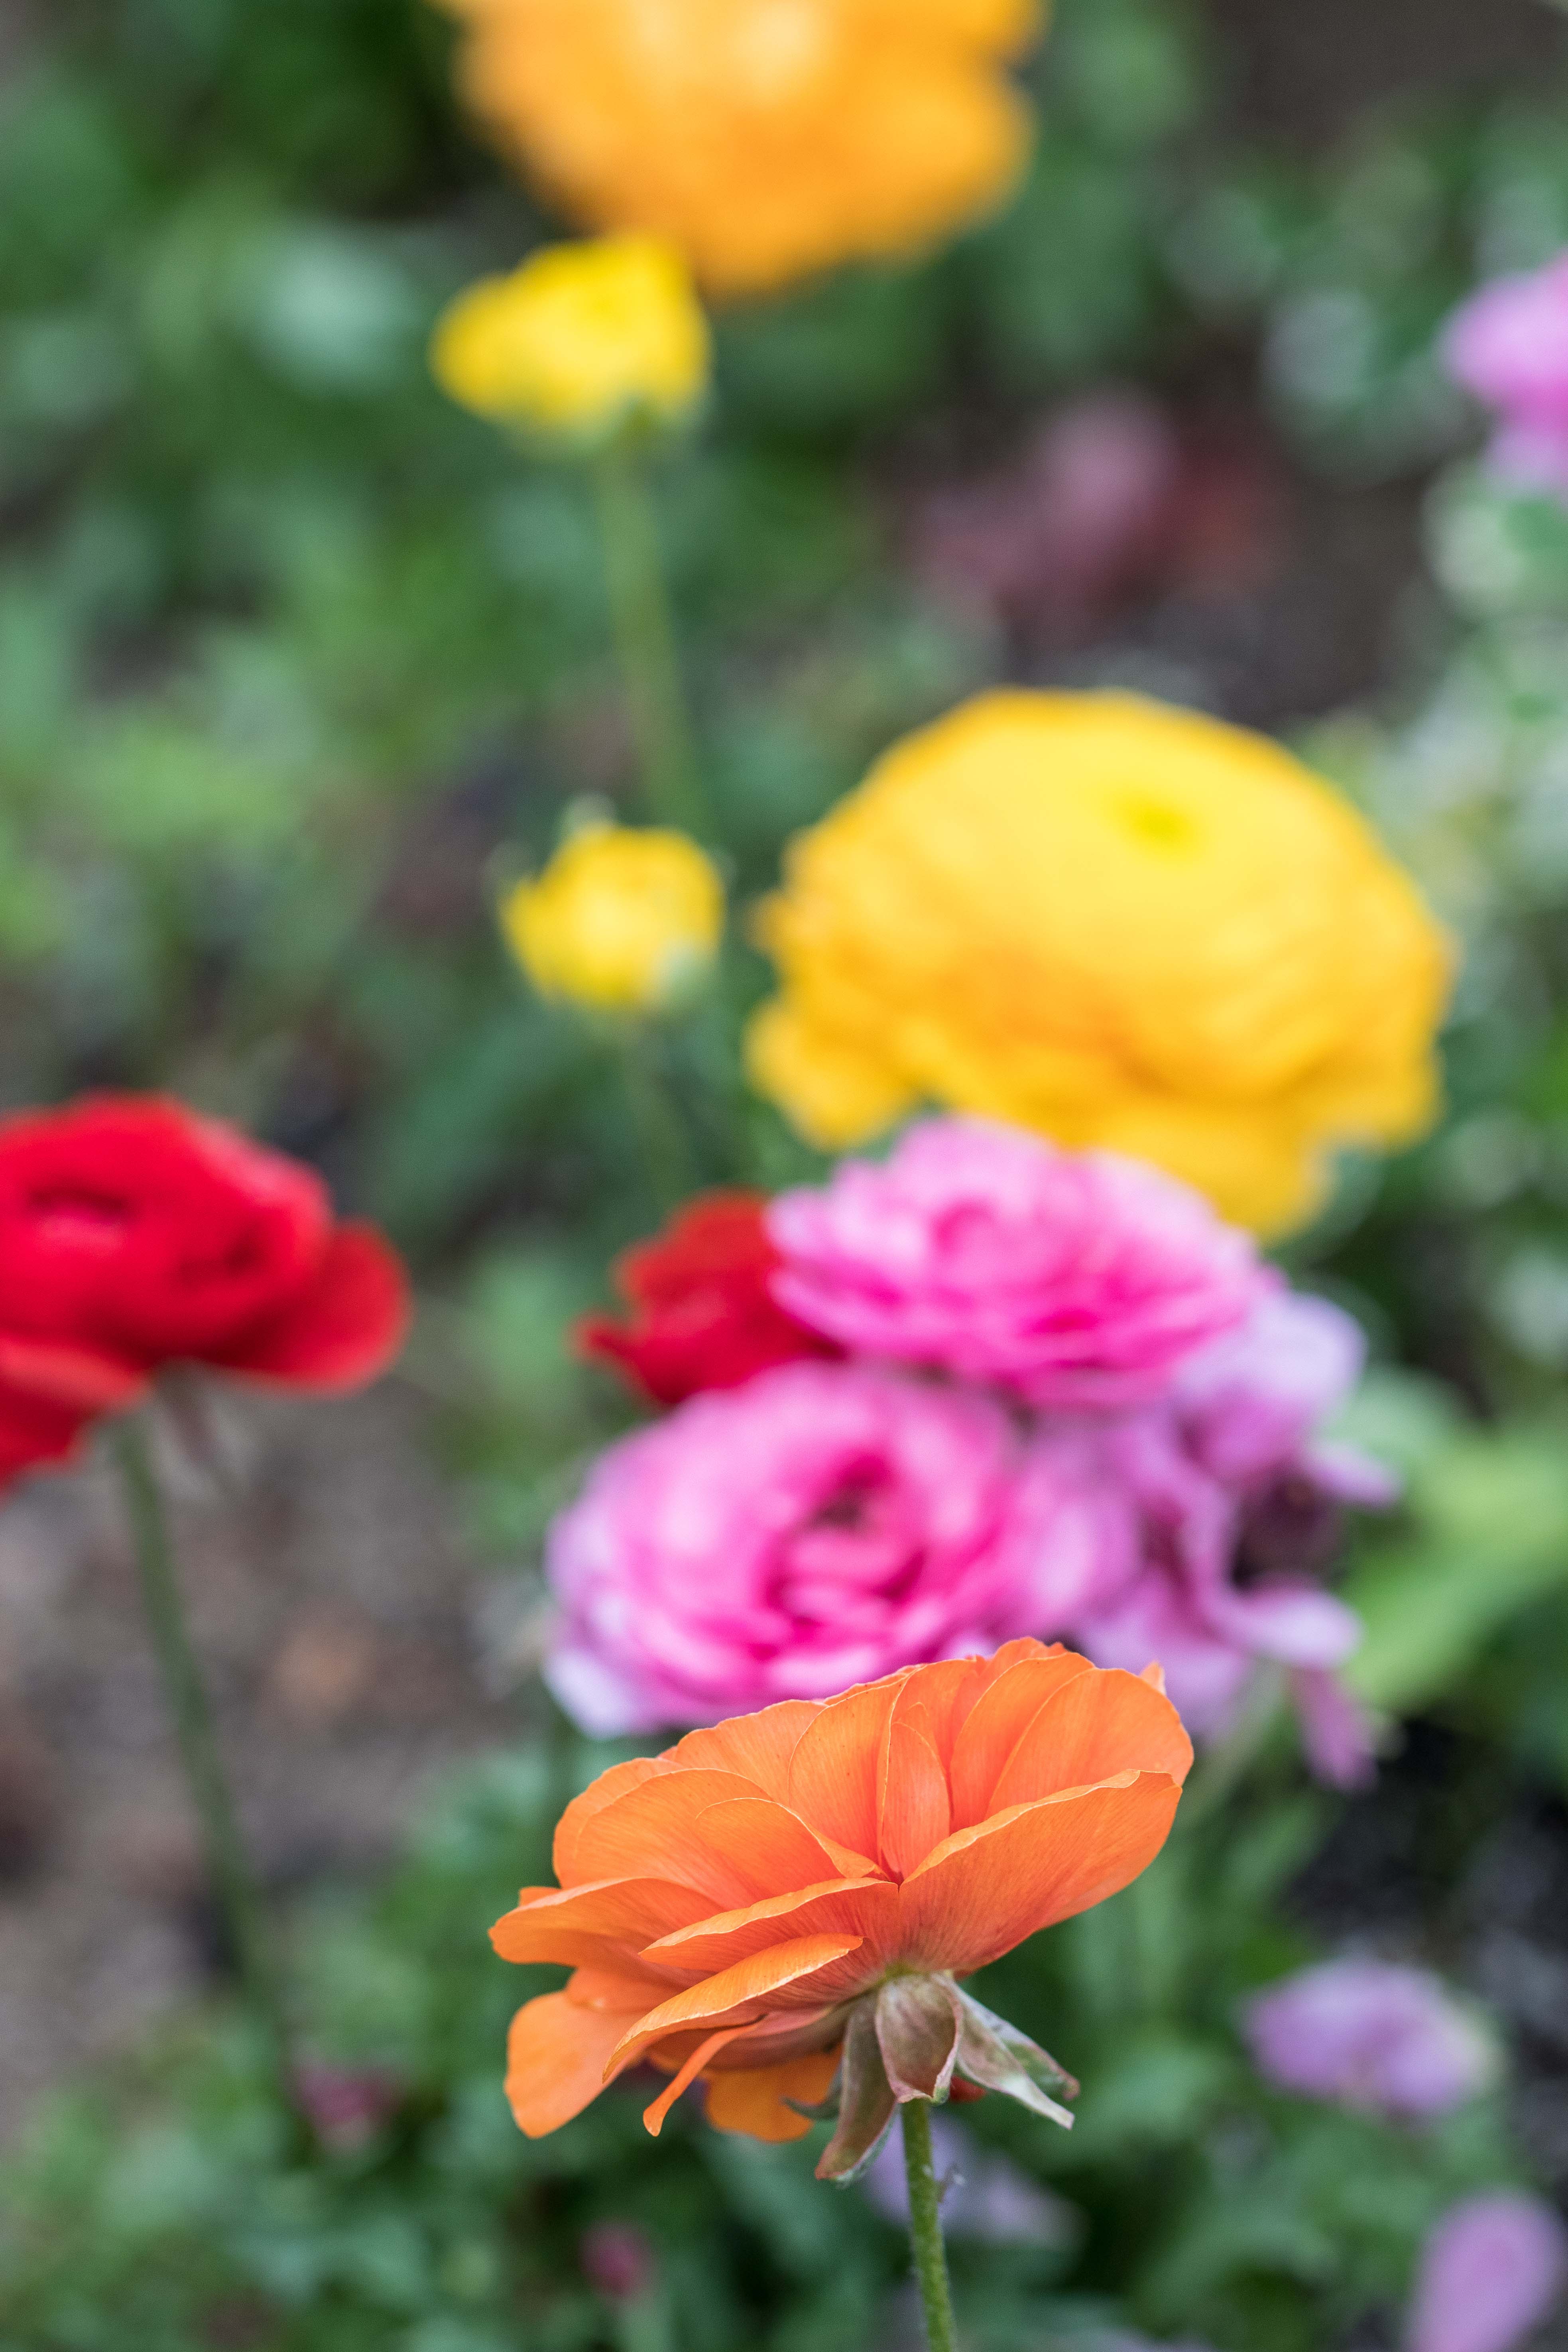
pixel 208 1783
pixel 645 640
pixel 660 1129
pixel 925 2227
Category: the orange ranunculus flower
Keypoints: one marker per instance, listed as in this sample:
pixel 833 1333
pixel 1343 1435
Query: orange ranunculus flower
pixel 769 138
pixel 791 1897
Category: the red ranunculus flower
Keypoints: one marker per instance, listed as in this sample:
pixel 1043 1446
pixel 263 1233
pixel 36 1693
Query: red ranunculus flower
pixel 703 1314
pixel 134 1233
pixel 35 1429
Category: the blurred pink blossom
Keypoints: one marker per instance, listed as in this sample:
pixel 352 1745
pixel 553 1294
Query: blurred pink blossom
pixel 1490 2271
pixel 1233 1509
pixel 618 2262
pixel 346 2105
pixel 1070 1279
pixel 1367 2034
pixel 821 1526
pixel 1508 345
pixel 1111 499
pixel 1072 528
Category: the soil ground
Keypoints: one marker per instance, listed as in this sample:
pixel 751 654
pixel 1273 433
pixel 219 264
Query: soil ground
pixel 337 1615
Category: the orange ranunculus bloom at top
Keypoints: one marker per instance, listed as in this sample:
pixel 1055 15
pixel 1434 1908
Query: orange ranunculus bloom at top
pixel 766 1891
pixel 769 138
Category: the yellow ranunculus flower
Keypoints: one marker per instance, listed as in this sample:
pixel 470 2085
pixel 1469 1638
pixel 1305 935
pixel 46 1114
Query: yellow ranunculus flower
pixel 1119 924
pixel 769 138
pixel 619 921
pixel 579 338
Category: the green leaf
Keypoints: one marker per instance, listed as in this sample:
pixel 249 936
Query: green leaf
pixel 1492 1536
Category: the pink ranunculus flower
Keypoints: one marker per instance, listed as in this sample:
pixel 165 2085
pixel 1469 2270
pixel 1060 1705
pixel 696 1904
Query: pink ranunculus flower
pixel 1370 2035
pixel 1508 345
pixel 1072 1279
pixel 1495 2266
pixel 1235 1508
pixel 821 1526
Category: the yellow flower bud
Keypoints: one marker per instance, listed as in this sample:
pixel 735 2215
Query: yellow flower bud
pixel 580 340
pixel 1118 924
pixel 619 921
pixel 769 138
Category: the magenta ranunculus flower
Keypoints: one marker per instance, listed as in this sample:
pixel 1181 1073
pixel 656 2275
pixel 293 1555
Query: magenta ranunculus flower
pixel 1508 345
pixel 821 1526
pixel 1492 2270
pixel 1367 2034
pixel 1233 1507
pixel 1073 1279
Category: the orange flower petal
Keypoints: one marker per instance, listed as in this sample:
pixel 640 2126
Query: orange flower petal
pixel 1099 1725
pixel 995 1724
pixel 765 1846
pixel 557 2054
pixel 990 1886
pixel 1015 1654
pixel 943 1695
pixel 652 1832
pixel 615 1782
pixel 581 1924
pixel 915 1815
pixel 758 1747
pixel 753 2101
pixel 865 1907
pixel 686 2074
pixel 626 1987
pixel 833 1776
pixel 743 1994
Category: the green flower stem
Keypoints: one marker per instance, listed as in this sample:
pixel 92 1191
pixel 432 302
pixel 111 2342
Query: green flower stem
pixel 644 638
pixel 657 1120
pixel 208 1783
pixel 925 2227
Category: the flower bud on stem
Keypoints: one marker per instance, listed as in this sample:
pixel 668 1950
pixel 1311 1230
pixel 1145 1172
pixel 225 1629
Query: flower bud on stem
pixel 208 1783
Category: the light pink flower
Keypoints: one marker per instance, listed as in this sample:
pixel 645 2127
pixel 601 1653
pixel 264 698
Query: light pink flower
pixel 1366 2034
pixel 1508 345
pixel 1071 1279
pixel 821 1526
pixel 1492 2270
pixel 1233 1511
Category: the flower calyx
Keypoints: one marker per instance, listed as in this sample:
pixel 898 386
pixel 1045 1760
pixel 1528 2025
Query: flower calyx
pixel 915 2037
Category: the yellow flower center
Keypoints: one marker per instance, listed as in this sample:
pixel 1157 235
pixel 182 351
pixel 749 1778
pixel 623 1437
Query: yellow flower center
pixel 1157 822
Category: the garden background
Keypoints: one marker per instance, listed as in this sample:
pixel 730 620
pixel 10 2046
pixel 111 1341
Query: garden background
pixel 298 667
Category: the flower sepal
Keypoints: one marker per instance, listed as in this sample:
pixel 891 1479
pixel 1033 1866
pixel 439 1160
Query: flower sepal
pixel 914 2037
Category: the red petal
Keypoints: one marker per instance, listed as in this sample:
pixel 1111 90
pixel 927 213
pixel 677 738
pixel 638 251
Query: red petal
pixel 34 1434
pixel 79 1380
pixel 341 1333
